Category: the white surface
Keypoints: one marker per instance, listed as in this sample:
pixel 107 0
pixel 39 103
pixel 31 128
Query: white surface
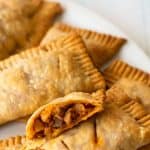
pixel 76 15
pixel 132 16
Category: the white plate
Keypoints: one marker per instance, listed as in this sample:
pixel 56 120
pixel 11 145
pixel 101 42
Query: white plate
pixel 79 16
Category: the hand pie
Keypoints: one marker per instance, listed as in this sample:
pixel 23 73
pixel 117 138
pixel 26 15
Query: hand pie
pixel 135 126
pixel 28 7
pixel 37 76
pixel 41 22
pixel 135 89
pixel 117 129
pixel 18 25
pixel 63 113
pixel 13 21
pixel 81 137
pixel 119 69
pixel 101 47
pixel 113 129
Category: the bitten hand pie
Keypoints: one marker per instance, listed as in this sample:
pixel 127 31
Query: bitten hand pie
pixel 115 128
pixel 20 22
pixel 101 47
pixel 119 69
pixel 122 125
pixel 62 114
pixel 37 76
pixel 81 137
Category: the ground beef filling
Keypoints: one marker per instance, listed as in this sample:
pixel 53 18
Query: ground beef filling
pixel 60 118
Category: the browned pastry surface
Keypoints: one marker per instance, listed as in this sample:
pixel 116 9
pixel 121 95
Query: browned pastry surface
pixel 24 23
pixel 101 47
pixel 37 76
pixel 135 90
pixel 13 143
pixel 119 69
pixel 41 22
pixel 112 129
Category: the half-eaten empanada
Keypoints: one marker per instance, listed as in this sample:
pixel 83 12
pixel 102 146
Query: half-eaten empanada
pixel 122 125
pixel 114 129
pixel 81 137
pixel 101 47
pixel 62 114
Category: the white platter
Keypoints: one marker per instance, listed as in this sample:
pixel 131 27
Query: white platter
pixel 80 16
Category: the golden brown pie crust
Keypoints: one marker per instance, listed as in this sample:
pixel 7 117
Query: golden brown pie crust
pixel 42 20
pixel 97 132
pixel 64 60
pixel 24 23
pixel 13 143
pixel 119 69
pixel 131 106
pixel 101 47
pixel 135 90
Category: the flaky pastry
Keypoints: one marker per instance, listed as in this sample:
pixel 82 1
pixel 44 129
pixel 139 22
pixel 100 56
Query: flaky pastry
pixel 37 76
pixel 101 47
pixel 119 69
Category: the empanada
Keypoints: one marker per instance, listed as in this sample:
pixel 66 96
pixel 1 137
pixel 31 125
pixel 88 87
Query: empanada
pixel 37 76
pixel 119 69
pixel 81 137
pixel 62 114
pixel 134 89
pixel 41 22
pixel 118 130
pixel 19 23
pixel 136 123
pixel 114 129
pixel 13 21
pixel 101 47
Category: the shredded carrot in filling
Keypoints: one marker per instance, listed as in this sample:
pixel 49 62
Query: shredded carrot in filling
pixel 61 117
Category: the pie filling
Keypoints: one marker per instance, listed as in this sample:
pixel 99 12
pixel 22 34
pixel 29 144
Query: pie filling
pixel 61 118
